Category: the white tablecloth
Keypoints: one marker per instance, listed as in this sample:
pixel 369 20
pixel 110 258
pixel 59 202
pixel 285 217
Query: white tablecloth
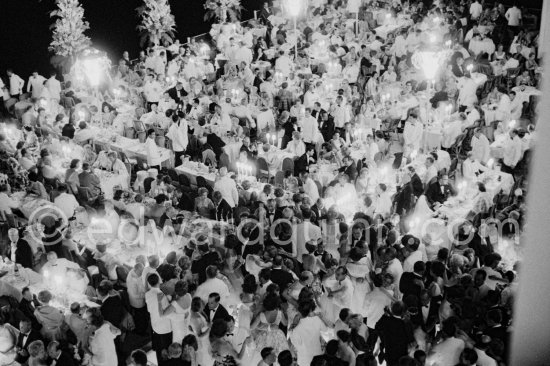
pixel 109 181
pixel 190 170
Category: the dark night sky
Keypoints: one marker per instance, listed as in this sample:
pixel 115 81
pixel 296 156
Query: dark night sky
pixel 25 34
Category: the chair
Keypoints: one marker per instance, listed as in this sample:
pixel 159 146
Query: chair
pixel 140 130
pixel 279 178
pixel 129 132
pixel 224 160
pixel 173 175
pixel 201 182
pixel 452 169
pixel 288 165
pixel 263 169
pixel 85 195
pixel 184 180
pixel 208 155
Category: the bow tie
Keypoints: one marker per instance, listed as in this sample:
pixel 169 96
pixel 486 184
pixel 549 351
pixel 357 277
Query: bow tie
pixel 229 334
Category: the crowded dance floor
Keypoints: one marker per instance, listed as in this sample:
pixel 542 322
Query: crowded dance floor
pixel 331 182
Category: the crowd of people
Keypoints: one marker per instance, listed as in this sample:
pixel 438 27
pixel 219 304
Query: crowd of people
pixel 284 194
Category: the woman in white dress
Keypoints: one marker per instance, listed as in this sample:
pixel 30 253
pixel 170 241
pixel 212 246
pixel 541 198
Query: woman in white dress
pixel 180 318
pixel 306 336
pixel 102 342
pixel 359 266
pixel 292 294
pixel 266 331
pixel 200 327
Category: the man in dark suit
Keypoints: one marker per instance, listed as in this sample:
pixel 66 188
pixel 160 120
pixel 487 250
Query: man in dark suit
pixel 302 163
pixel 68 130
pixel 214 310
pixel 177 93
pixel 279 276
pixel 349 168
pixel 395 333
pixel 458 67
pixel 111 303
pixel 412 283
pixel 26 337
pixel 439 191
pixel 58 357
pixel 317 111
pixel 409 192
pixel 327 126
pixel 265 13
pixel 28 305
pixel 215 142
pixel 207 258
pixel 89 180
pixel 19 251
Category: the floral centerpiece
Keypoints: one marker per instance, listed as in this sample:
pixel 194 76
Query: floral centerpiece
pixel 221 9
pixel 157 23
pixel 68 37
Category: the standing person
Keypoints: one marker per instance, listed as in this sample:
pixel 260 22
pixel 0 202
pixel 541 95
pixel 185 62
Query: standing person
pixel 158 307
pixel 177 133
pixel 513 16
pixel 152 150
pixel 228 188
pixel 102 342
pixel 136 298
pixel 152 91
pixel 15 84
pixel 54 87
pixel 306 335
pixel 396 334
pixel 35 84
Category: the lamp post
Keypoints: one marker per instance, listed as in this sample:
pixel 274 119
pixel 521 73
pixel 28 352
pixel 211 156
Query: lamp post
pixel 293 7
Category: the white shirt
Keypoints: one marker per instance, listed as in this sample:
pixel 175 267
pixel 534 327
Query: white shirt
pixel 66 203
pixel 153 154
pixel 36 84
pixel 102 346
pixel 213 285
pixel 54 87
pixel 341 115
pixel 228 188
pixel 161 324
pixel 309 129
pixel 383 204
pixel 16 84
pixel 399 48
pixel 513 15
pixel 136 290
pixel 475 10
pixel 178 135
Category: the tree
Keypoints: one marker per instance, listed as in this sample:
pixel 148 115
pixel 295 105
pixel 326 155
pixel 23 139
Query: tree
pixel 68 30
pixel 157 22
pixel 221 9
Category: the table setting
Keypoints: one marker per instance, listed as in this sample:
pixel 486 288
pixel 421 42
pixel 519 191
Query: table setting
pixel 193 169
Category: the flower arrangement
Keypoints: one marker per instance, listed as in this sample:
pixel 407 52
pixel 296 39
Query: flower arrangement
pixel 221 9
pixel 68 30
pixel 157 23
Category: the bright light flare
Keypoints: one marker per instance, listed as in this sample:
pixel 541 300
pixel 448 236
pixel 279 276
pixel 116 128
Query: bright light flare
pixel 93 69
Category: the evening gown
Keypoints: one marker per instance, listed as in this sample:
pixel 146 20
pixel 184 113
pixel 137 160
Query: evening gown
pixel 204 358
pixel 270 335
pixel 180 321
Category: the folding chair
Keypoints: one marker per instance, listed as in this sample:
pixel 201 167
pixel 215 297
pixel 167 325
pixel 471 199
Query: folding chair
pixel 263 169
